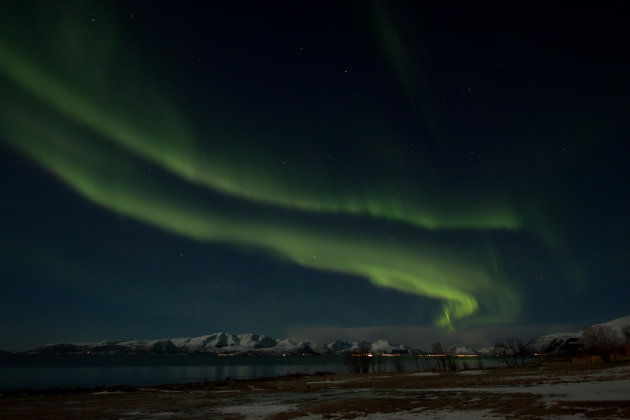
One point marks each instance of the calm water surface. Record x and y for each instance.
(21, 371)
(140, 370)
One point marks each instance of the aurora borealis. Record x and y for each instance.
(394, 167)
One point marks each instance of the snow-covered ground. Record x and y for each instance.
(543, 389)
(618, 390)
(553, 391)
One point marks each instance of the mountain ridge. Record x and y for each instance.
(566, 342)
(222, 343)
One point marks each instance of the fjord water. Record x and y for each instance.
(87, 371)
(78, 371)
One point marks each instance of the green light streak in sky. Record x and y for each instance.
(110, 179)
(170, 144)
(93, 142)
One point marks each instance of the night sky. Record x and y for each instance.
(351, 170)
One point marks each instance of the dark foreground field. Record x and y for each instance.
(578, 390)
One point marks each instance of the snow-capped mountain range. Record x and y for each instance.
(565, 342)
(259, 344)
(221, 343)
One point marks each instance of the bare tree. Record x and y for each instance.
(600, 340)
(625, 330)
(445, 359)
(438, 353)
(502, 351)
(513, 344)
(397, 361)
(478, 360)
(523, 350)
(359, 360)
(436, 348)
(511, 350)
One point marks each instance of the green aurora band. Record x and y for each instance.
(260, 182)
(99, 145)
(108, 178)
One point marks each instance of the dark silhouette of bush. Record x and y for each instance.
(600, 340)
(359, 360)
(511, 350)
(478, 362)
(397, 361)
(445, 360)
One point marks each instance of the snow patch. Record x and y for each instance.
(617, 390)
(472, 372)
(106, 392)
(262, 410)
(425, 374)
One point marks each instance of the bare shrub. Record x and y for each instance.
(379, 364)
(600, 340)
(479, 362)
(511, 350)
(502, 352)
(445, 360)
(359, 360)
(397, 361)
(523, 350)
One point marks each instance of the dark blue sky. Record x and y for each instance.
(341, 170)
